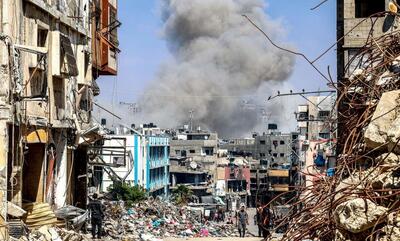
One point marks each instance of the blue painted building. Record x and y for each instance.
(157, 165)
(146, 163)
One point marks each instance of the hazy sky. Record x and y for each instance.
(143, 49)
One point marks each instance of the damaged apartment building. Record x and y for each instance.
(138, 157)
(193, 156)
(51, 52)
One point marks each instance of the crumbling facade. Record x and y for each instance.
(46, 93)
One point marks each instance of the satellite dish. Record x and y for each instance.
(193, 165)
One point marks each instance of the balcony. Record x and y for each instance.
(105, 37)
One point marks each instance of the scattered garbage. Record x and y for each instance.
(151, 220)
(156, 219)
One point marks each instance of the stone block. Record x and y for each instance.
(358, 215)
(384, 129)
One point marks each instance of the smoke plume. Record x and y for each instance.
(220, 64)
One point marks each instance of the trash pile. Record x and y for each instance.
(156, 219)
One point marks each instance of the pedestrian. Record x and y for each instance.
(266, 221)
(96, 214)
(242, 219)
(258, 219)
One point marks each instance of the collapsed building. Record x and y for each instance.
(360, 201)
(51, 54)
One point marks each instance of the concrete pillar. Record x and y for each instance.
(62, 177)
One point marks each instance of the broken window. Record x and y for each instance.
(118, 161)
(275, 143)
(282, 142)
(262, 154)
(192, 151)
(38, 83)
(68, 60)
(275, 154)
(86, 99)
(282, 154)
(262, 142)
(366, 8)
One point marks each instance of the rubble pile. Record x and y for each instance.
(361, 201)
(157, 219)
(47, 233)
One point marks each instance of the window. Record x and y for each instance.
(262, 142)
(323, 114)
(118, 161)
(192, 151)
(38, 84)
(282, 142)
(275, 154)
(209, 151)
(68, 60)
(324, 135)
(365, 8)
(282, 154)
(178, 152)
(275, 143)
(262, 154)
(302, 116)
(113, 26)
(42, 37)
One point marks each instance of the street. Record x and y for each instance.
(212, 239)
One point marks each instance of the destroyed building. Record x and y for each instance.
(360, 201)
(232, 181)
(193, 155)
(47, 84)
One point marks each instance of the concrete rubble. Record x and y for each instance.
(357, 215)
(158, 219)
(148, 221)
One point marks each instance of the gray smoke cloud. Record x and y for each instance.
(223, 68)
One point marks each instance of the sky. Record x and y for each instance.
(144, 50)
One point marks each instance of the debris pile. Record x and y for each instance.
(156, 219)
(47, 233)
(362, 200)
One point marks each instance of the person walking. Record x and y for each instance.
(258, 220)
(242, 219)
(96, 215)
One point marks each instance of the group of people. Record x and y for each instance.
(263, 219)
